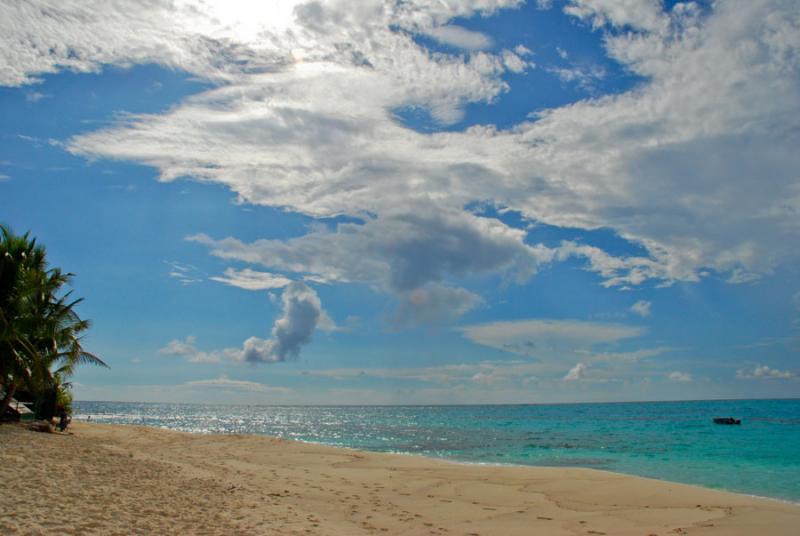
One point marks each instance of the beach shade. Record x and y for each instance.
(17, 411)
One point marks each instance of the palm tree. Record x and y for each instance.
(56, 332)
(40, 331)
(20, 259)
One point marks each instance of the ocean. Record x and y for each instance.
(675, 441)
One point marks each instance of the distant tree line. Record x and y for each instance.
(40, 330)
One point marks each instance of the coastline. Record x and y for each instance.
(123, 479)
(520, 465)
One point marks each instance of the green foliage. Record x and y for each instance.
(40, 330)
(64, 399)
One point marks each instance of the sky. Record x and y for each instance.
(411, 202)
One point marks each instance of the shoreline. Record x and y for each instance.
(501, 464)
(130, 479)
(620, 473)
(782, 500)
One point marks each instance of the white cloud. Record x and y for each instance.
(302, 312)
(251, 279)
(434, 304)
(642, 308)
(400, 250)
(578, 372)
(410, 255)
(640, 14)
(187, 350)
(522, 51)
(482, 372)
(35, 96)
(542, 338)
(215, 40)
(306, 119)
(679, 376)
(585, 78)
(514, 63)
(763, 372)
(4, 177)
(185, 273)
(178, 347)
(226, 384)
(460, 37)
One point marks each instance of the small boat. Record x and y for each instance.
(726, 420)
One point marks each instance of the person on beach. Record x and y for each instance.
(63, 421)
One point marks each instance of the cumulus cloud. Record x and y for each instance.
(578, 372)
(305, 118)
(642, 308)
(763, 372)
(679, 376)
(302, 312)
(514, 62)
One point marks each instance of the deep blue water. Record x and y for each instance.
(667, 440)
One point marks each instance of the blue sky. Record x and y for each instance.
(323, 202)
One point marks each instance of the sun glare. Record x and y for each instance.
(244, 20)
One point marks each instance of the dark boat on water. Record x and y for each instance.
(727, 420)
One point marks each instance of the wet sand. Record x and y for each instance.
(111, 479)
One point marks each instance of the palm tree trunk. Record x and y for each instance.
(10, 390)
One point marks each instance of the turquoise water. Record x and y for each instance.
(667, 440)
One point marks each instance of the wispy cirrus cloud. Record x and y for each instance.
(186, 274)
(188, 350)
(547, 337)
(223, 383)
(481, 373)
(252, 279)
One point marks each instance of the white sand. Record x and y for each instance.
(105, 479)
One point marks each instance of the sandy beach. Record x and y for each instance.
(110, 479)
